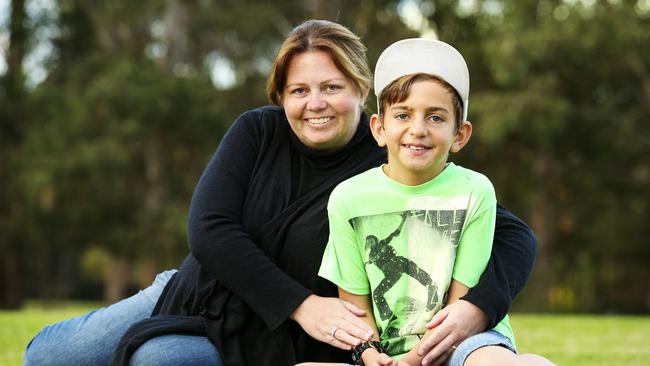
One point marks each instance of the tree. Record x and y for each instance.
(100, 159)
(557, 102)
(128, 118)
(13, 99)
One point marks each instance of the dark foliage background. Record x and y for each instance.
(109, 111)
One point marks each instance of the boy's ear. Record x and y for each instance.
(377, 130)
(462, 136)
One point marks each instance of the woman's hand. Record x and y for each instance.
(454, 323)
(333, 321)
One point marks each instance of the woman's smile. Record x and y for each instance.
(319, 121)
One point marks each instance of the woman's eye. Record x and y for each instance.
(332, 87)
(299, 91)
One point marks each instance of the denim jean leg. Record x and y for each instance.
(90, 339)
(177, 350)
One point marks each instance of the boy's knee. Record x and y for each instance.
(535, 360)
(492, 356)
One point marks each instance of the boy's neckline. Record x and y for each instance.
(417, 187)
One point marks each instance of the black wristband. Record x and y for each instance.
(358, 351)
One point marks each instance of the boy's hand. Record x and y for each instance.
(410, 359)
(371, 357)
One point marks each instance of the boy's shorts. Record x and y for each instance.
(471, 344)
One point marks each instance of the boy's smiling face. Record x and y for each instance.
(419, 133)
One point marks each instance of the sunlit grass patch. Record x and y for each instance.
(18, 327)
(585, 340)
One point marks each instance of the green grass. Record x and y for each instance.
(572, 340)
(581, 340)
(18, 327)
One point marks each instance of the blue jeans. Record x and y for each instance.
(90, 339)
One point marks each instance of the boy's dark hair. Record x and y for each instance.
(400, 89)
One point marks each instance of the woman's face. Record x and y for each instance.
(322, 105)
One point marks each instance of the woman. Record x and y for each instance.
(257, 230)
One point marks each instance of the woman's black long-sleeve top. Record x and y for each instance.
(257, 231)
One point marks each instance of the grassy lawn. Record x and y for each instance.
(18, 327)
(581, 340)
(576, 340)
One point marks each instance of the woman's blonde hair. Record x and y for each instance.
(345, 48)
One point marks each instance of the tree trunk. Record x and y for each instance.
(10, 138)
(541, 221)
(10, 283)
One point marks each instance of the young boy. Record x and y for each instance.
(414, 234)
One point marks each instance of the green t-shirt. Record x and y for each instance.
(403, 244)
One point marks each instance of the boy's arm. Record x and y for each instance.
(484, 305)
(462, 319)
(363, 302)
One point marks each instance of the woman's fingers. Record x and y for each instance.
(329, 320)
(339, 344)
(451, 326)
(441, 359)
(348, 331)
(438, 318)
(357, 328)
(437, 345)
(348, 338)
(353, 308)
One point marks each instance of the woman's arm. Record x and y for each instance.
(227, 252)
(509, 267)
(511, 263)
(217, 238)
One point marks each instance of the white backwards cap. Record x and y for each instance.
(418, 55)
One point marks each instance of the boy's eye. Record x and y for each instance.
(401, 116)
(436, 119)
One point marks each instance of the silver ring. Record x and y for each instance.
(454, 347)
(334, 332)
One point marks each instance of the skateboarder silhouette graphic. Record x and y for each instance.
(393, 266)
